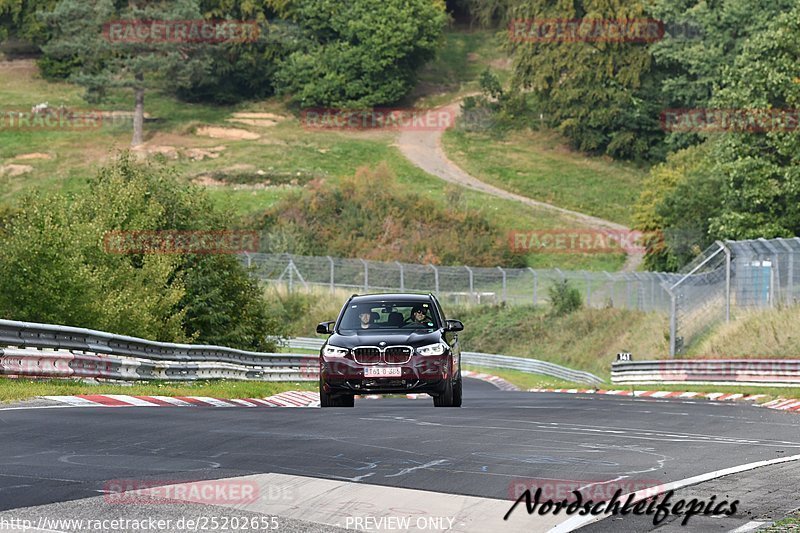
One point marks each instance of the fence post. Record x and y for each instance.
(775, 275)
(673, 322)
(471, 282)
(504, 283)
(727, 280)
(366, 275)
(402, 275)
(588, 289)
(436, 278)
(249, 260)
(790, 272)
(535, 286)
(290, 268)
(333, 279)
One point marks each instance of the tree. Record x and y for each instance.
(601, 94)
(138, 65)
(707, 37)
(359, 53)
(55, 265)
(761, 169)
(678, 199)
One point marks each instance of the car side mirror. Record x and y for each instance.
(454, 325)
(325, 328)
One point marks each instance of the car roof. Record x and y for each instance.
(391, 297)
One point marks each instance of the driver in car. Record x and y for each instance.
(418, 317)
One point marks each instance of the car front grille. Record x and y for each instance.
(392, 355)
(367, 356)
(397, 355)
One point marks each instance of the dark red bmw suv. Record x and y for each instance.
(389, 344)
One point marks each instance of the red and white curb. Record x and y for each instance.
(783, 405)
(780, 404)
(284, 399)
(716, 396)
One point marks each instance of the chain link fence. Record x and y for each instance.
(732, 276)
(738, 275)
(643, 291)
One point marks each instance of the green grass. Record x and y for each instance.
(788, 524)
(537, 164)
(461, 59)
(19, 389)
(284, 148)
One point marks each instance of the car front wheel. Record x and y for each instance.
(445, 399)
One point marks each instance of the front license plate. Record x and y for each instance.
(383, 372)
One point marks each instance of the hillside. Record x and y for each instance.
(249, 157)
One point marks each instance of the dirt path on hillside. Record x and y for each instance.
(424, 149)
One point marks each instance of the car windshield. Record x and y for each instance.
(388, 315)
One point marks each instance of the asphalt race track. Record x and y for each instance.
(335, 466)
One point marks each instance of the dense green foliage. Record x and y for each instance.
(55, 266)
(602, 95)
(359, 53)
(370, 216)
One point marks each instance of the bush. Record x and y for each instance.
(564, 298)
(54, 267)
(371, 217)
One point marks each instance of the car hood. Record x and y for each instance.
(391, 338)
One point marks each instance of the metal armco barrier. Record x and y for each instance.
(522, 364)
(63, 351)
(763, 372)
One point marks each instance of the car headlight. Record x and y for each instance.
(433, 349)
(334, 351)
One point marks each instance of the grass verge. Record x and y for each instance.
(24, 389)
(537, 164)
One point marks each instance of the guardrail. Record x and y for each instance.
(64, 351)
(522, 364)
(762, 372)
(44, 350)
